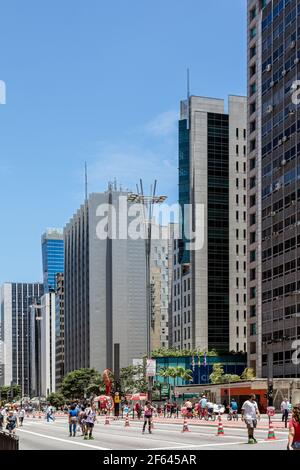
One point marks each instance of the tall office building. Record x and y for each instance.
(60, 330)
(43, 346)
(53, 257)
(209, 281)
(273, 186)
(105, 285)
(16, 299)
(160, 288)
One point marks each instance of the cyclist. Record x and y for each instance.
(203, 404)
(233, 410)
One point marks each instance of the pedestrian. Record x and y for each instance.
(81, 420)
(22, 413)
(203, 406)
(148, 413)
(73, 414)
(49, 413)
(294, 429)
(1, 418)
(285, 410)
(138, 410)
(11, 422)
(250, 414)
(90, 418)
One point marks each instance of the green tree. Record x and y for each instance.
(77, 384)
(132, 379)
(174, 373)
(8, 393)
(217, 373)
(248, 374)
(56, 399)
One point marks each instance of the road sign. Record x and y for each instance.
(151, 368)
(271, 411)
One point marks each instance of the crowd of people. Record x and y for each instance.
(83, 416)
(11, 418)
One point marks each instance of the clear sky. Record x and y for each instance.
(100, 81)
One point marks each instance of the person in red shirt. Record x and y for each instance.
(294, 429)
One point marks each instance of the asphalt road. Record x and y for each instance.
(39, 435)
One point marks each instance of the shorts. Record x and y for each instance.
(251, 423)
(89, 425)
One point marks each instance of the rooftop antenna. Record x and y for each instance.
(86, 181)
(188, 97)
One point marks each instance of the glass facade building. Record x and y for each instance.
(273, 186)
(209, 273)
(53, 257)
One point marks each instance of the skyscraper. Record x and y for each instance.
(53, 257)
(16, 299)
(60, 329)
(160, 288)
(273, 187)
(209, 288)
(105, 285)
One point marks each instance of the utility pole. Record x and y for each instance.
(148, 203)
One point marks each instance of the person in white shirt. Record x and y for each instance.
(250, 414)
(285, 410)
(21, 416)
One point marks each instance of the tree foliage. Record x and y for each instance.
(10, 393)
(132, 380)
(81, 382)
(218, 377)
(56, 399)
(248, 374)
(164, 352)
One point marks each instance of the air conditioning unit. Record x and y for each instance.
(280, 142)
(272, 84)
(296, 61)
(269, 68)
(277, 186)
(275, 234)
(269, 109)
(283, 73)
(293, 44)
(273, 214)
(293, 204)
(284, 138)
(291, 112)
(283, 162)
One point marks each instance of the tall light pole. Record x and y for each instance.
(148, 203)
(38, 320)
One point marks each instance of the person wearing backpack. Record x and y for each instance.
(73, 415)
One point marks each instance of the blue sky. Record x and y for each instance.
(100, 81)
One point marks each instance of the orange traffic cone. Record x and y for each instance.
(127, 423)
(220, 427)
(185, 425)
(106, 419)
(271, 433)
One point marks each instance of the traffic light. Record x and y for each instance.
(270, 394)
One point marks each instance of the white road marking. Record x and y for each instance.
(194, 446)
(63, 440)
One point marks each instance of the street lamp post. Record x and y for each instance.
(148, 203)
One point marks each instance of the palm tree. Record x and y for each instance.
(176, 372)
